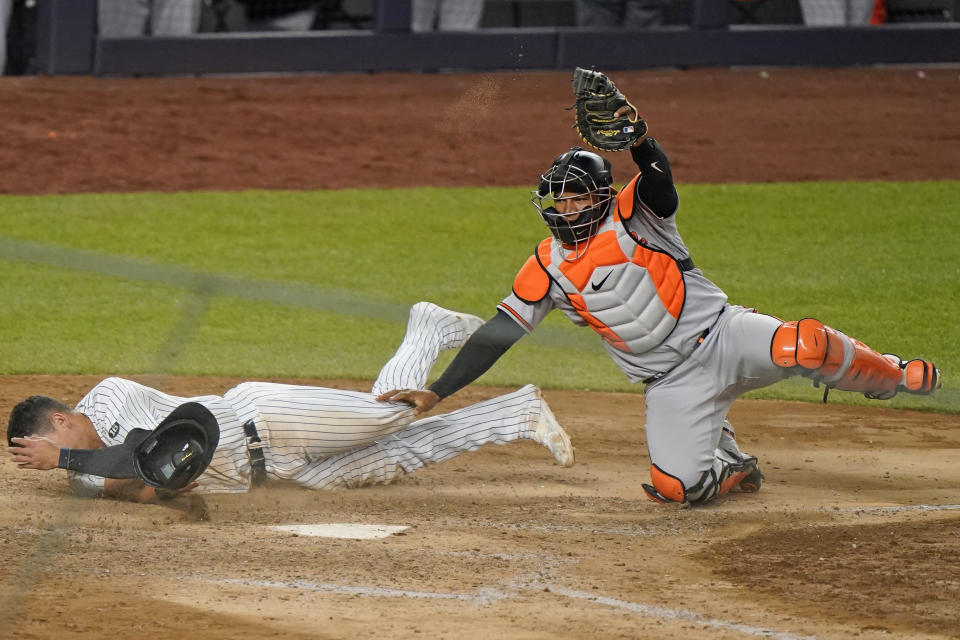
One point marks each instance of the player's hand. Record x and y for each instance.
(626, 110)
(422, 400)
(35, 452)
(167, 494)
(194, 507)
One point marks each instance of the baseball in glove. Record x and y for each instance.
(600, 119)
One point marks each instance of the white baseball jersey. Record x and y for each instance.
(319, 437)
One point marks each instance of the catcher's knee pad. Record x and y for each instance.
(665, 487)
(841, 362)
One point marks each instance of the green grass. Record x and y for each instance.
(316, 284)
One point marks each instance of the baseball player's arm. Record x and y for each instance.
(133, 490)
(129, 489)
(192, 506)
(655, 189)
(484, 347)
(37, 452)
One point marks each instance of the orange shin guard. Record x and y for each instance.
(728, 473)
(837, 360)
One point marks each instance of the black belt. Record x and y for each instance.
(258, 465)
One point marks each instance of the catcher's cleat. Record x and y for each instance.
(918, 377)
(752, 482)
(550, 434)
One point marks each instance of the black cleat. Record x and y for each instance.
(752, 482)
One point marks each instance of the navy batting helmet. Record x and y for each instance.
(175, 453)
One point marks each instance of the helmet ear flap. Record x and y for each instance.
(606, 176)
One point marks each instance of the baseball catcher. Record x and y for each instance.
(615, 262)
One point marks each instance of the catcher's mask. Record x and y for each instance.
(573, 174)
(175, 453)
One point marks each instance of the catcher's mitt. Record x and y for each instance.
(597, 101)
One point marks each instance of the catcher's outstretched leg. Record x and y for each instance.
(841, 362)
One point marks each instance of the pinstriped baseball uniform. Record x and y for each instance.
(324, 438)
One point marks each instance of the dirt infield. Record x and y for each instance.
(83, 134)
(853, 536)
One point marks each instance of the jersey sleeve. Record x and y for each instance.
(655, 192)
(529, 302)
(105, 404)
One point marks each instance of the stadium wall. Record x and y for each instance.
(68, 44)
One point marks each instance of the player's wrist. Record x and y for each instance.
(63, 460)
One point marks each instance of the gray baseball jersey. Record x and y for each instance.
(630, 286)
(627, 287)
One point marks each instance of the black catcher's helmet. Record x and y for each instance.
(573, 174)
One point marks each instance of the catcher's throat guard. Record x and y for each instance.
(171, 456)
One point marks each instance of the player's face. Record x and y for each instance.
(571, 205)
(65, 433)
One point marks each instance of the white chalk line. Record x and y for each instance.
(489, 596)
(484, 596)
(674, 614)
(905, 507)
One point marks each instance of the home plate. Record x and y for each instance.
(342, 530)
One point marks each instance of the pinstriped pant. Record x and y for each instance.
(325, 438)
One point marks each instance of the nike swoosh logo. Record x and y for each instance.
(596, 286)
(654, 165)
